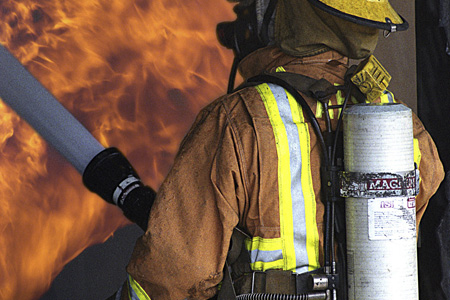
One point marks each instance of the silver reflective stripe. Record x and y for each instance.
(265, 256)
(298, 201)
(119, 293)
(389, 95)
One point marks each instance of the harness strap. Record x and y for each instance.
(319, 89)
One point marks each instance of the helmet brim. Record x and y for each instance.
(377, 14)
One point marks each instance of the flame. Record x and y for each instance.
(135, 73)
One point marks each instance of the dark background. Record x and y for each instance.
(433, 92)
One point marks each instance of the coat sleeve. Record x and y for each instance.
(182, 254)
(430, 167)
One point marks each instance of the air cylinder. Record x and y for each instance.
(380, 183)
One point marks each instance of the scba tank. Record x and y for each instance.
(380, 183)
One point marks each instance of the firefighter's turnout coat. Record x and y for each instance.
(252, 160)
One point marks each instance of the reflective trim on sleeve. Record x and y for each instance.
(265, 254)
(135, 291)
(417, 153)
(299, 235)
(119, 293)
(417, 156)
(387, 97)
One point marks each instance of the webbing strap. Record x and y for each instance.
(319, 89)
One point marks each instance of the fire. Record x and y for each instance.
(135, 73)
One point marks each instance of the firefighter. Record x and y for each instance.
(252, 159)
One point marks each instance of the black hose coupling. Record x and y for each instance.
(111, 176)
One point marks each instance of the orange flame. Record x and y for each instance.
(135, 73)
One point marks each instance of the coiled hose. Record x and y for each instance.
(257, 296)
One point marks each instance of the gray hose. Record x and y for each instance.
(31, 101)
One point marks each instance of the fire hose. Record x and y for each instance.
(105, 172)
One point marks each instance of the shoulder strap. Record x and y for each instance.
(319, 89)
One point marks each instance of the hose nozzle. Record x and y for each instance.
(111, 176)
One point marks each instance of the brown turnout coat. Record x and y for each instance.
(225, 175)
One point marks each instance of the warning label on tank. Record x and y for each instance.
(392, 218)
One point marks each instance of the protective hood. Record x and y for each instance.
(302, 29)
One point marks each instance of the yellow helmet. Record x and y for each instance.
(372, 13)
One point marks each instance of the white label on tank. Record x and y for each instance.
(392, 218)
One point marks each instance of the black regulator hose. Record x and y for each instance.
(111, 176)
(233, 73)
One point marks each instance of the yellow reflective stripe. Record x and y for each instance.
(271, 258)
(271, 265)
(135, 291)
(290, 226)
(340, 99)
(319, 110)
(284, 177)
(312, 234)
(298, 229)
(259, 243)
(330, 111)
(387, 97)
(417, 153)
(280, 69)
